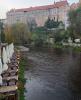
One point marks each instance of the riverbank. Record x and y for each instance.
(23, 66)
(74, 48)
(22, 79)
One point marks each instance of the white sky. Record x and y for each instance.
(6, 5)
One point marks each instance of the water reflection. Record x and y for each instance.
(75, 77)
(55, 75)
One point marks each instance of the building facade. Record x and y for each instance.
(58, 11)
(80, 1)
(74, 6)
(4, 21)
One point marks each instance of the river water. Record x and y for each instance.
(53, 75)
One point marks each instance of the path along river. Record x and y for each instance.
(54, 75)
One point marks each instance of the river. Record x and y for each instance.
(54, 75)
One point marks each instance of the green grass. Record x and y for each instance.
(22, 79)
(76, 49)
(2, 96)
(58, 46)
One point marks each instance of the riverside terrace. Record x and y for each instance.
(9, 60)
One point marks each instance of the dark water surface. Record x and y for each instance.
(54, 75)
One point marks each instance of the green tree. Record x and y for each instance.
(18, 33)
(51, 23)
(75, 22)
(39, 36)
(8, 34)
(2, 35)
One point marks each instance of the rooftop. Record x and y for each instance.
(46, 7)
(75, 5)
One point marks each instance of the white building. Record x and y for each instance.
(58, 11)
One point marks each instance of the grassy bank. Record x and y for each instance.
(77, 49)
(22, 79)
(60, 46)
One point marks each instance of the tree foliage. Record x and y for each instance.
(75, 22)
(39, 35)
(8, 34)
(19, 33)
(2, 35)
(51, 23)
(61, 35)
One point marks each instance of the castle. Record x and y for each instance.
(75, 5)
(57, 11)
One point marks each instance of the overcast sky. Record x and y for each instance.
(6, 5)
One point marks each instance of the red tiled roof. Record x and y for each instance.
(55, 5)
(74, 5)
